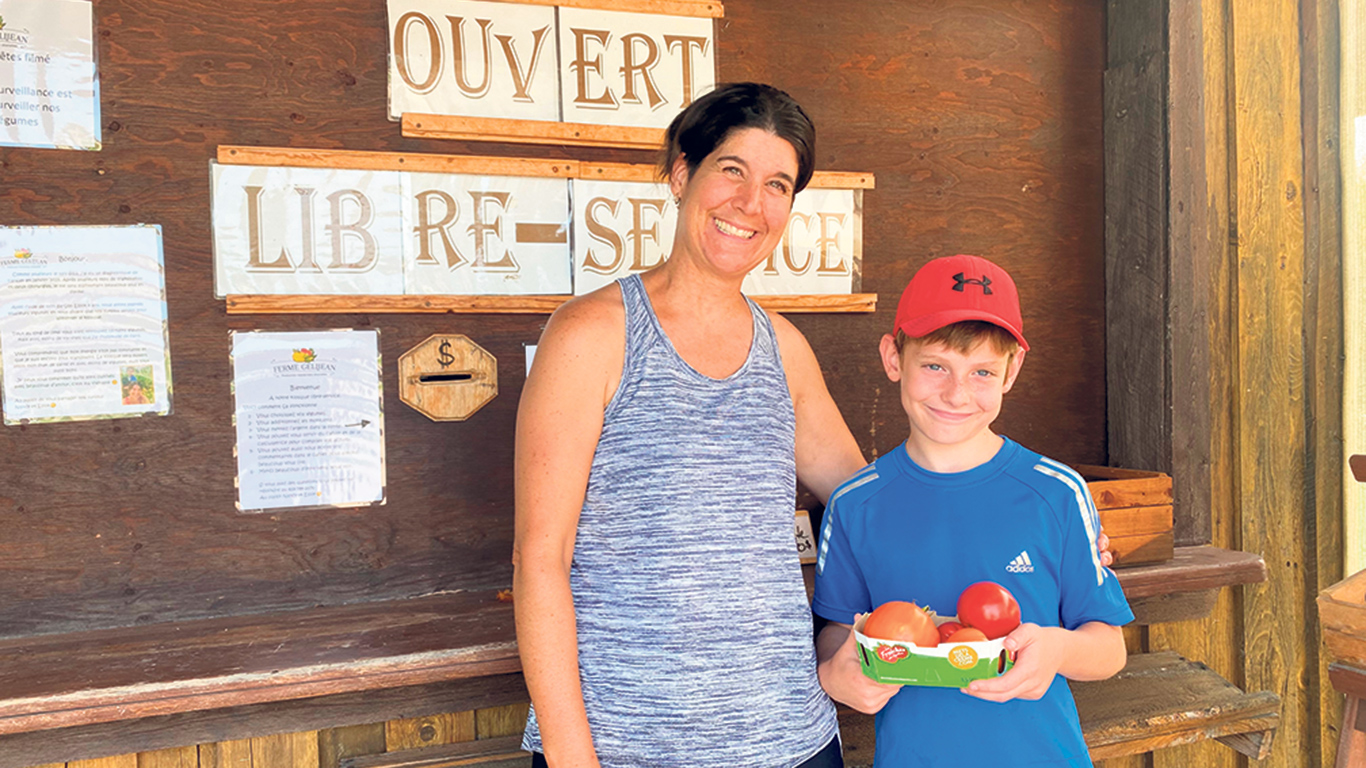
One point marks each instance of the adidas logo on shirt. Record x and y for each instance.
(1020, 564)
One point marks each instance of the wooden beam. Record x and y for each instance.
(704, 8)
(396, 161)
(524, 305)
(1136, 248)
(1324, 353)
(460, 128)
(1271, 365)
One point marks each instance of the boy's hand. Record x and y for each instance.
(1040, 652)
(841, 675)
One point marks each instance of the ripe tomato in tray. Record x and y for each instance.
(902, 621)
(990, 607)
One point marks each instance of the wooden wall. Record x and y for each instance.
(1248, 257)
(980, 120)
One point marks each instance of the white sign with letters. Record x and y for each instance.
(633, 69)
(528, 61)
(479, 59)
(311, 231)
(486, 234)
(622, 228)
(306, 231)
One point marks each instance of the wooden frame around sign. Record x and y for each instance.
(240, 304)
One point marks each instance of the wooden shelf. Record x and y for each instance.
(85, 678)
(1193, 569)
(523, 305)
(1159, 700)
(458, 128)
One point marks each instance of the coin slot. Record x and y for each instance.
(443, 378)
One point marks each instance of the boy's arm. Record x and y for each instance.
(1093, 651)
(840, 673)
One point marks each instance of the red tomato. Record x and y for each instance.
(947, 629)
(902, 621)
(990, 607)
(966, 635)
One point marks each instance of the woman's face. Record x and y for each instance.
(733, 209)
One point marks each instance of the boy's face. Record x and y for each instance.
(950, 397)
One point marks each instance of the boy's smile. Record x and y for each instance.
(950, 398)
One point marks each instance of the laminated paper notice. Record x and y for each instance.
(309, 418)
(83, 323)
(49, 93)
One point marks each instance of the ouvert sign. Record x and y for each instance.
(537, 62)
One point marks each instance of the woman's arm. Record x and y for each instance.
(559, 421)
(827, 453)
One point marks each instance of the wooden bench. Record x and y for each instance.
(109, 692)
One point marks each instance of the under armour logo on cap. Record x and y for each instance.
(959, 281)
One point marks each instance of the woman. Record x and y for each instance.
(661, 613)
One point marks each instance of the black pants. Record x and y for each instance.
(826, 758)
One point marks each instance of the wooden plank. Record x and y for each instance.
(1192, 569)
(1271, 325)
(1165, 609)
(1136, 247)
(431, 730)
(1141, 549)
(174, 757)
(120, 761)
(1202, 338)
(1117, 487)
(501, 752)
(1160, 699)
(338, 744)
(310, 305)
(397, 161)
(368, 708)
(495, 722)
(649, 173)
(1324, 348)
(285, 750)
(458, 128)
(1131, 521)
(705, 8)
(96, 677)
(226, 754)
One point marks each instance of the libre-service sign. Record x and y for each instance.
(311, 231)
(535, 62)
(49, 92)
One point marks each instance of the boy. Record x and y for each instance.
(957, 504)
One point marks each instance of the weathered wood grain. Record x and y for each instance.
(496, 722)
(285, 750)
(213, 730)
(501, 752)
(175, 757)
(1203, 337)
(1321, 63)
(1271, 366)
(337, 744)
(430, 730)
(120, 674)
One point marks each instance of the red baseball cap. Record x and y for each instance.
(952, 289)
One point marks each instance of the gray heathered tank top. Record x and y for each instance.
(694, 629)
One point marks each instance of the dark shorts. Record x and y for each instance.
(829, 757)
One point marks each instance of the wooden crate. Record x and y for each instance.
(1136, 512)
(1342, 613)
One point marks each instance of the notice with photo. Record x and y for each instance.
(49, 91)
(83, 323)
(309, 418)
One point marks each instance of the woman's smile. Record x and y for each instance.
(727, 228)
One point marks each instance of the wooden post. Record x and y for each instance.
(1271, 398)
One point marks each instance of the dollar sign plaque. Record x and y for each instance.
(447, 377)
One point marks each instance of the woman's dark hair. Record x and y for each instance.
(703, 125)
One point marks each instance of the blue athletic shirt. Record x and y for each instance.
(896, 531)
